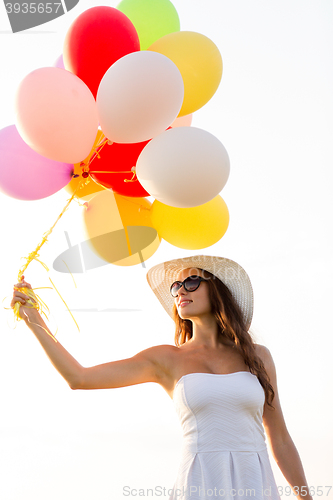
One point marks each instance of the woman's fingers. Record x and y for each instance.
(22, 300)
(23, 306)
(23, 284)
(20, 294)
(17, 299)
(20, 297)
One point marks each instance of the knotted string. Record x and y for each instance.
(132, 171)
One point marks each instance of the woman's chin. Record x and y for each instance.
(184, 314)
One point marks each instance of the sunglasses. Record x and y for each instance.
(190, 284)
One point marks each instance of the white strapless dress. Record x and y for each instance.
(224, 453)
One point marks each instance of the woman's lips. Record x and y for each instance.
(184, 303)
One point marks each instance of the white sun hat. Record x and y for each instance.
(161, 277)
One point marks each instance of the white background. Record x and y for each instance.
(273, 113)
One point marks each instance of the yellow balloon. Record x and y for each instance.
(191, 228)
(91, 187)
(199, 62)
(119, 228)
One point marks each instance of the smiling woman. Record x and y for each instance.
(229, 324)
(223, 384)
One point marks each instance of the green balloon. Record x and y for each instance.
(152, 19)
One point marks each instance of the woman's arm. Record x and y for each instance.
(141, 368)
(283, 449)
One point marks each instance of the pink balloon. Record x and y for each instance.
(56, 114)
(26, 175)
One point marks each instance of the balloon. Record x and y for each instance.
(182, 121)
(191, 228)
(200, 63)
(118, 158)
(96, 39)
(26, 175)
(183, 167)
(151, 18)
(120, 229)
(56, 114)
(88, 190)
(139, 96)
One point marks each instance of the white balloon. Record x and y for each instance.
(139, 96)
(183, 167)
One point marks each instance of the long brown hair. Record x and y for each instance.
(230, 326)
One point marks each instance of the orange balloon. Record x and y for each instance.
(119, 228)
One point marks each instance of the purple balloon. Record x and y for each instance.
(59, 63)
(25, 174)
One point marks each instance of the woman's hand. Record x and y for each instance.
(26, 308)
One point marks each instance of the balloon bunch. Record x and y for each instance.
(111, 122)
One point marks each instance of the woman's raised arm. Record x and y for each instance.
(141, 368)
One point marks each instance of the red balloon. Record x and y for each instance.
(118, 158)
(97, 39)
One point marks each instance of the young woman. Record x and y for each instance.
(222, 383)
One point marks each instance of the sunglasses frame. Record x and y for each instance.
(183, 284)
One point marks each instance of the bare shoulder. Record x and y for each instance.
(264, 353)
(157, 352)
(160, 355)
(267, 359)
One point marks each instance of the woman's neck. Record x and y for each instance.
(205, 332)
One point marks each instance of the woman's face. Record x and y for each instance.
(192, 304)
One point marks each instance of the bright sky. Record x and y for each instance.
(273, 113)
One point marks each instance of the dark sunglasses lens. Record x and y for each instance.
(175, 287)
(192, 283)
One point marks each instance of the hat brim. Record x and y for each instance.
(161, 277)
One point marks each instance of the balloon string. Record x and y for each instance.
(70, 273)
(141, 207)
(99, 147)
(103, 141)
(85, 165)
(37, 324)
(35, 254)
(65, 304)
(37, 302)
(111, 171)
(34, 300)
(132, 171)
(134, 177)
